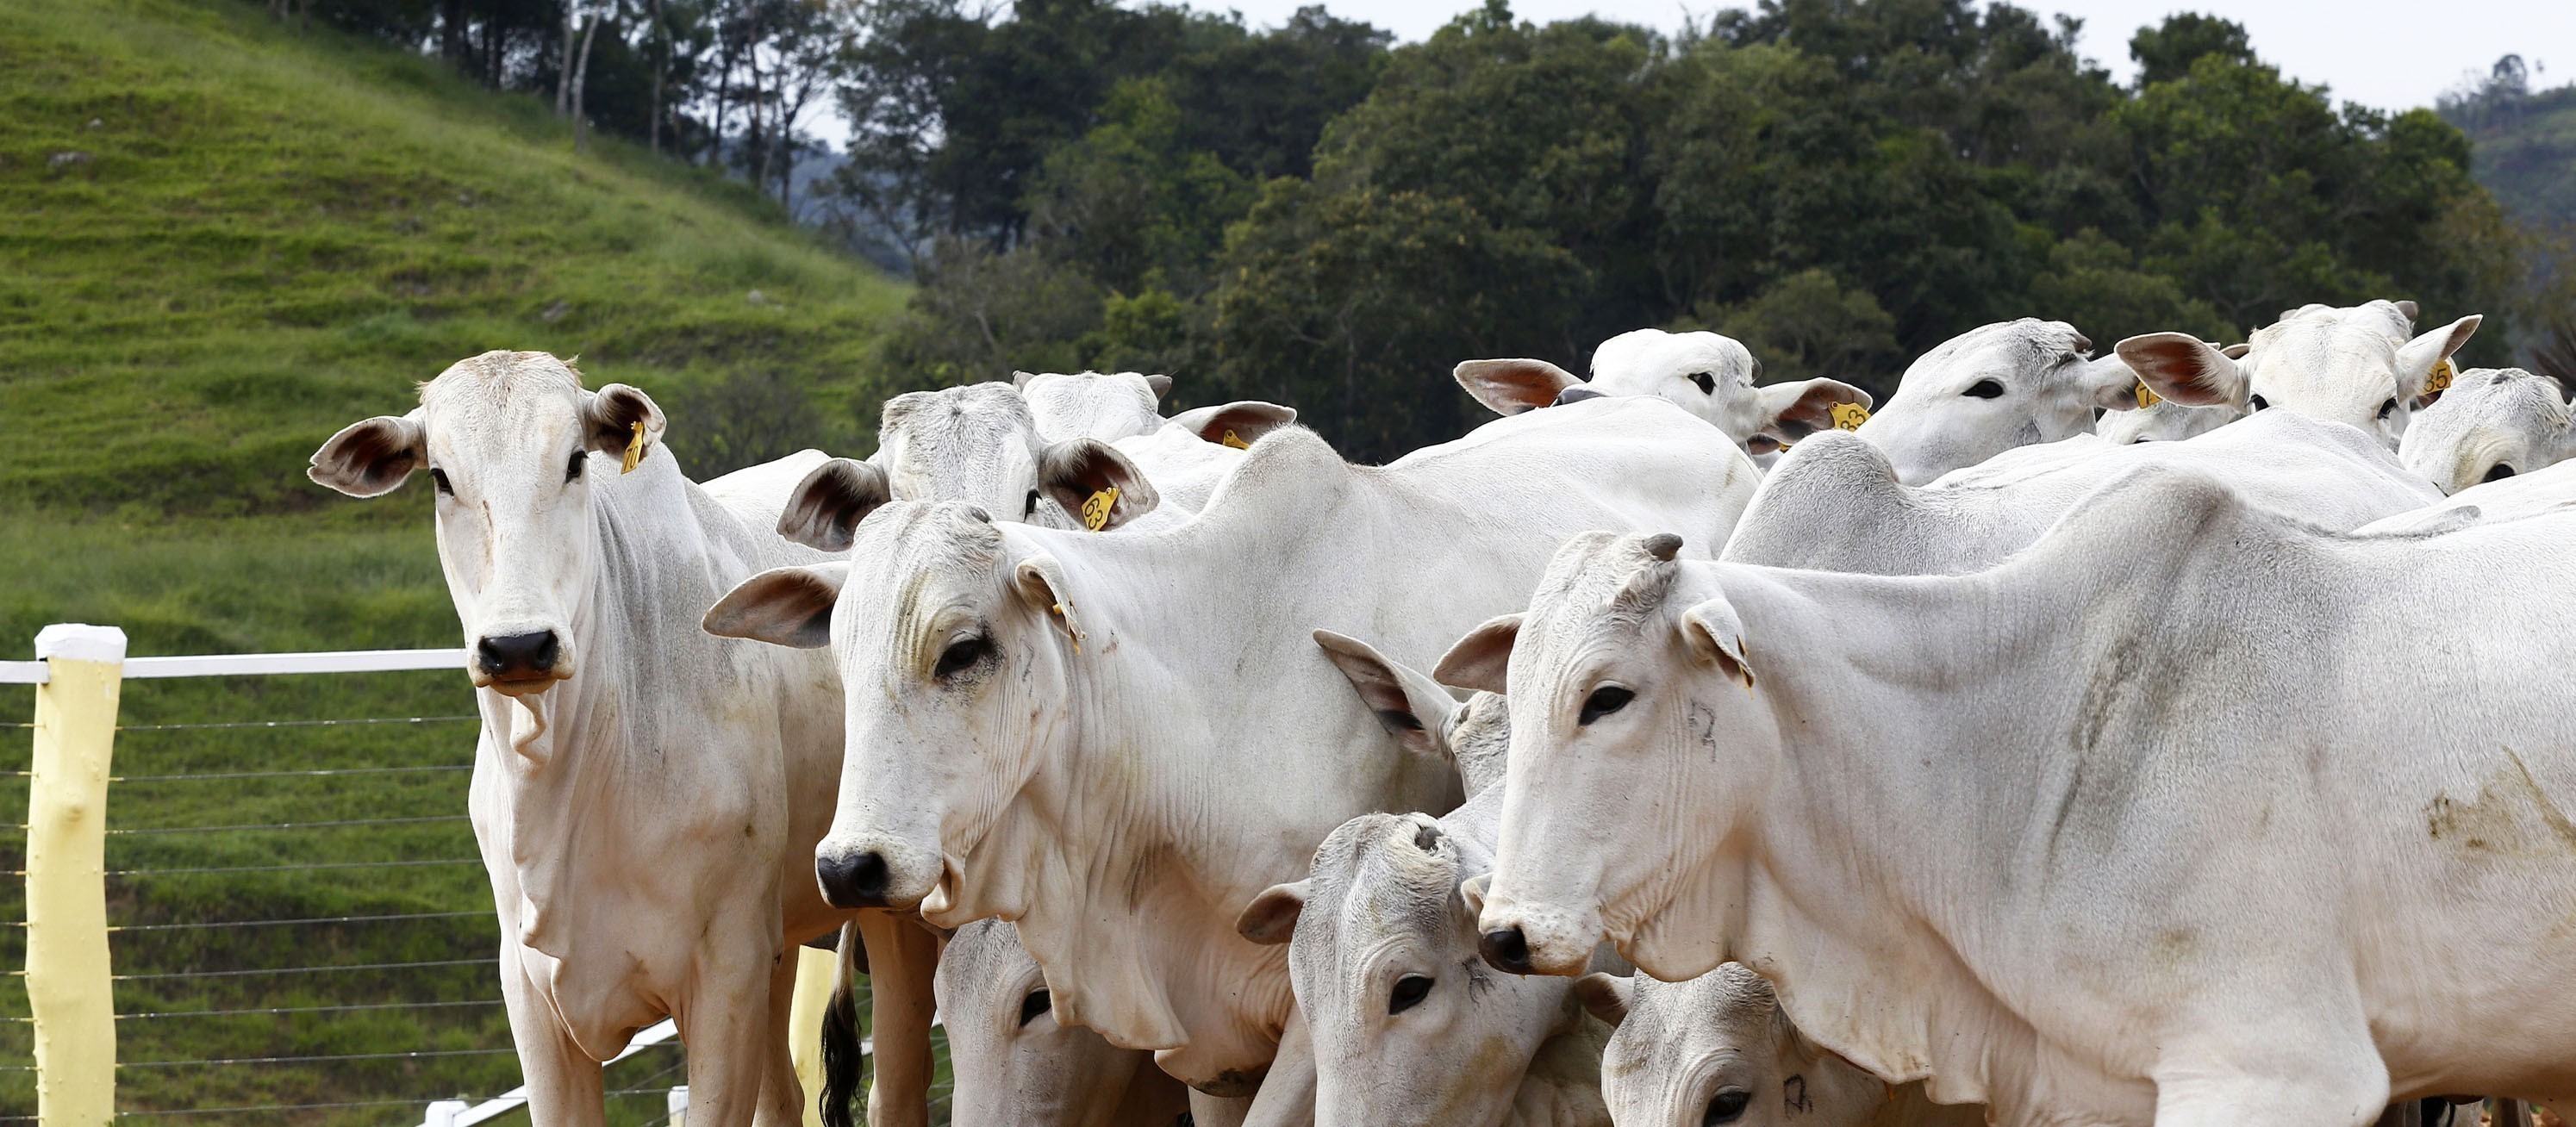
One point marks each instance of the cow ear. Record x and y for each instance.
(1271, 918)
(1605, 996)
(2416, 358)
(1715, 635)
(1471, 893)
(1479, 660)
(1077, 470)
(1761, 444)
(2409, 308)
(2108, 383)
(1021, 380)
(1162, 386)
(784, 606)
(2183, 368)
(2236, 351)
(1509, 387)
(613, 414)
(1410, 706)
(1041, 583)
(372, 457)
(1247, 420)
(1795, 410)
(824, 510)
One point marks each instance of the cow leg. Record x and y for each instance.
(564, 1084)
(1287, 1095)
(903, 954)
(782, 1095)
(1217, 1111)
(729, 1022)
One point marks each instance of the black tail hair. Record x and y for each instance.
(841, 1053)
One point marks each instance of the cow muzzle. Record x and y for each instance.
(1520, 942)
(520, 662)
(874, 873)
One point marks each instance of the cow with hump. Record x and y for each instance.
(646, 797)
(1118, 741)
(2168, 819)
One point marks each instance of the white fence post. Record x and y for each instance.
(443, 1113)
(68, 986)
(678, 1103)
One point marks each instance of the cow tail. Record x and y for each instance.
(842, 1053)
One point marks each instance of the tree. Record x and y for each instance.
(2165, 53)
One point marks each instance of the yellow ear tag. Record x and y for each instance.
(2147, 396)
(2440, 380)
(1849, 416)
(1095, 508)
(1231, 440)
(634, 450)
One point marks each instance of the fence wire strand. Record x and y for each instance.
(263, 826)
(308, 920)
(291, 723)
(168, 975)
(310, 772)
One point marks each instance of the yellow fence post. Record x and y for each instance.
(805, 1025)
(67, 973)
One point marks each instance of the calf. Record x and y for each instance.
(1017, 1065)
(2492, 424)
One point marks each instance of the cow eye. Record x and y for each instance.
(2387, 408)
(1984, 389)
(573, 472)
(1038, 1002)
(961, 655)
(2499, 473)
(2258, 403)
(1029, 508)
(1726, 1107)
(1604, 701)
(1707, 383)
(438, 477)
(1409, 992)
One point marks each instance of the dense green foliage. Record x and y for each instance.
(1841, 183)
(2526, 141)
(219, 242)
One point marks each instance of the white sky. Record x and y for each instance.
(2386, 53)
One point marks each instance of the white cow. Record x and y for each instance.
(2362, 366)
(645, 796)
(1405, 1022)
(2492, 424)
(1118, 741)
(1835, 503)
(1103, 405)
(2546, 490)
(2170, 819)
(2164, 420)
(1717, 1051)
(1708, 375)
(1985, 391)
(1017, 1066)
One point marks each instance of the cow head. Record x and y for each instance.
(515, 448)
(1015, 1063)
(1407, 1023)
(1718, 1051)
(2362, 367)
(1708, 375)
(978, 444)
(1105, 405)
(1993, 388)
(1609, 667)
(955, 646)
(2493, 423)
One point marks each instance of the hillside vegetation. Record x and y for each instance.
(219, 241)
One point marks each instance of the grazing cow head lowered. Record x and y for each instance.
(513, 444)
(1105, 405)
(973, 689)
(978, 444)
(1985, 391)
(1592, 681)
(2492, 424)
(1016, 1064)
(2362, 367)
(1717, 1051)
(1708, 375)
(1407, 1023)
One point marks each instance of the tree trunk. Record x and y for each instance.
(451, 32)
(661, 66)
(563, 68)
(581, 84)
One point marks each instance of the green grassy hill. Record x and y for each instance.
(219, 242)
(2526, 151)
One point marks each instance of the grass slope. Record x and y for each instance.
(219, 242)
(2526, 154)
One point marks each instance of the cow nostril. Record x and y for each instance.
(852, 882)
(1507, 949)
(533, 652)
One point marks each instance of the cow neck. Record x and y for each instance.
(651, 565)
(1189, 806)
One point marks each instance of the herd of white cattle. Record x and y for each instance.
(1663, 757)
